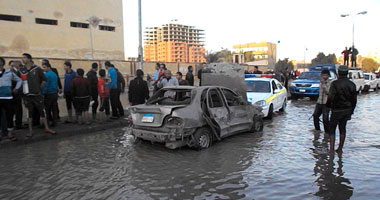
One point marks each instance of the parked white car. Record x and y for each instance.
(357, 77)
(371, 82)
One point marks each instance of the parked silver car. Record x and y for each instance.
(194, 116)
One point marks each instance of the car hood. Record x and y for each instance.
(298, 81)
(159, 113)
(254, 97)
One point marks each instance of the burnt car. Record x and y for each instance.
(194, 116)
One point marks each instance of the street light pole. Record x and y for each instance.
(141, 56)
(353, 23)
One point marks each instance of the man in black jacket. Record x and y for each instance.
(93, 79)
(190, 76)
(342, 101)
(138, 91)
(120, 88)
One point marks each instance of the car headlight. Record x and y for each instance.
(293, 84)
(315, 85)
(261, 103)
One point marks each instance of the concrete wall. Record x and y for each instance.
(62, 40)
(127, 68)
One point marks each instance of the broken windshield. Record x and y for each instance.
(171, 97)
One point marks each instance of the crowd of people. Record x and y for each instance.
(38, 87)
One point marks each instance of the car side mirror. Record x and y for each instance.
(277, 91)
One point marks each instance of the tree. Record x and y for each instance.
(323, 59)
(283, 66)
(224, 55)
(369, 65)
(212, 57)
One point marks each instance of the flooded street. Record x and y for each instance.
(288, 160)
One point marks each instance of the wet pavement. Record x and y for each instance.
(288, 160)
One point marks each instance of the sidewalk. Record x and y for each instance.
(63, 130)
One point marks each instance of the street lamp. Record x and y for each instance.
(353, 23)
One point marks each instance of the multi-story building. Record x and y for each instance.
(263, 53)
(84, 29)
(174, 43)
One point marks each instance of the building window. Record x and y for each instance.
(107, 28)
(13, 18)
(46, 21)
(78, 25)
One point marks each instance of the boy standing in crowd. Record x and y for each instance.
(180, 80)
(93, 79)
(6, 78)
(104, 96)
(50, 93)
(17, 95)
(34, 80)
(120, 90)
(190, 76)
(69, 76)
(81, 90)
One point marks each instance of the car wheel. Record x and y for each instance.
(294, 97)
(270, 112)
(377, 86)
(284, 105)
(202, 138)
(258, 124)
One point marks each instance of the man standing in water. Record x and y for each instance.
(342, 101)
(321, 108)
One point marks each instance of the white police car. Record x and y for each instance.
(265, 91)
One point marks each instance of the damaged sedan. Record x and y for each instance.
(194, 116)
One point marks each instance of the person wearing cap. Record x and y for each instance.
(342, 100)
(320, 108)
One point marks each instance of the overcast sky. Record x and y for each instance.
(315, 24)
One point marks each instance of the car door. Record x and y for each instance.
(218, 111)
(241, 119)
(282, 95)
(275, 99)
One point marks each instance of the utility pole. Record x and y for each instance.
(141, 54)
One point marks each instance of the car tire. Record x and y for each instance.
(295, 97)
(270, 112)
(258, 124)
(375, 89)
(202, 138)
(284, 105)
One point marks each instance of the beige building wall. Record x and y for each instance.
(62, 40)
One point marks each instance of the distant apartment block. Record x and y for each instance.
(262, 53)
(174, 43)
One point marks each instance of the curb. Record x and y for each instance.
(63, 131)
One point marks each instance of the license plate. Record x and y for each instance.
(147, 118)
(302, 90)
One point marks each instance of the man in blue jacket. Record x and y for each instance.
(49, 91)
(6, 78)
(112, 85)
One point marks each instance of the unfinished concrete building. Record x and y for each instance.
(174, 43)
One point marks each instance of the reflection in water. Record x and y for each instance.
(332, 185)
(275, 164)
